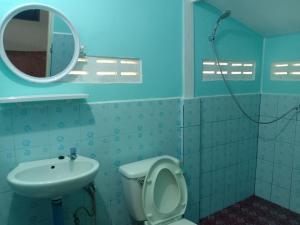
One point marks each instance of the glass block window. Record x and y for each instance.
(232, 70)
(285, 71)
(106, 70)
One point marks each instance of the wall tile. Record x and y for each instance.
(206, 160)
(112, 133)
(296, 181)
(284, 153)
(263, 189)
(191, 112)
(64, 123)
(266, 150)
(286, 103)
(219, 154)
(230, 185)
(6, 129)
(295, 202)
(217, 202)
(280, 196)
(228, 150)
(279, 145)
(297, 135)
(7, 163)
(31, 126)
(205, 207)
(207, 135)
(268, 131)
(206, 180)
(192, 212)
(269, 104)
(218, 182)
(286, 130)
(264, 171)
(282, 176)
(232, 155)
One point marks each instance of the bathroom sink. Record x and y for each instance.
(52, 178)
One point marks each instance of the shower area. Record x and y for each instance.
(241, 134)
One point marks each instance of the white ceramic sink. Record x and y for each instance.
(52, 178)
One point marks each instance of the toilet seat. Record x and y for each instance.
(164, 192)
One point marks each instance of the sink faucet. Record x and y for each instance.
(73, 153)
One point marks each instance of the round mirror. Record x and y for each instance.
(38, 43)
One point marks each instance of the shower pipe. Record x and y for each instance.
(212, 39)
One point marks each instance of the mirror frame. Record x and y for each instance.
(18, 72)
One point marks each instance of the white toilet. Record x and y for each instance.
(155, 191)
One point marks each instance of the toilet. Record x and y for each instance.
(155, 191)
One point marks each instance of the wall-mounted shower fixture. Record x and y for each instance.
(224, 16)
(212, 38)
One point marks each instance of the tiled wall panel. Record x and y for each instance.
(277, 174)
(191, 146)
(226, 144)
(112, 133)
(219, 150)
(228, 152)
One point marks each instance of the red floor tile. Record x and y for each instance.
(253, 211)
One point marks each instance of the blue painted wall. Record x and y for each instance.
(150, 30)
(235, 42)
(277, 49)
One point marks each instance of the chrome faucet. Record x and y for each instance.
(73, 153)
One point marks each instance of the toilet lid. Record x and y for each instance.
(164, 191)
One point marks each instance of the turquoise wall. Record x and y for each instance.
(278, 49)
(235, 42)
(150, 30)
(59, 25)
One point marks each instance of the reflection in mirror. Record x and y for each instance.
(39, 43)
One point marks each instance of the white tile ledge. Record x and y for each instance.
(39, 98)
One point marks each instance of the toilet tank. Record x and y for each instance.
(133, 176)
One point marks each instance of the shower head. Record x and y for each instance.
(224, 16)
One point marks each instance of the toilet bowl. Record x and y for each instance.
(155, 191)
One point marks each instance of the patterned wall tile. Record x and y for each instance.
(219, 146)
(191, 112)
(64, 123)
(31, 126)
(7, 162)
(6, 129)
(191, 157)
(112, 133)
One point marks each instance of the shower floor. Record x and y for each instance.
(253, 211)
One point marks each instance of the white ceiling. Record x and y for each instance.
(268, 17)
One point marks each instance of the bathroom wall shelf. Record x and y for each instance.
(40, 98)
